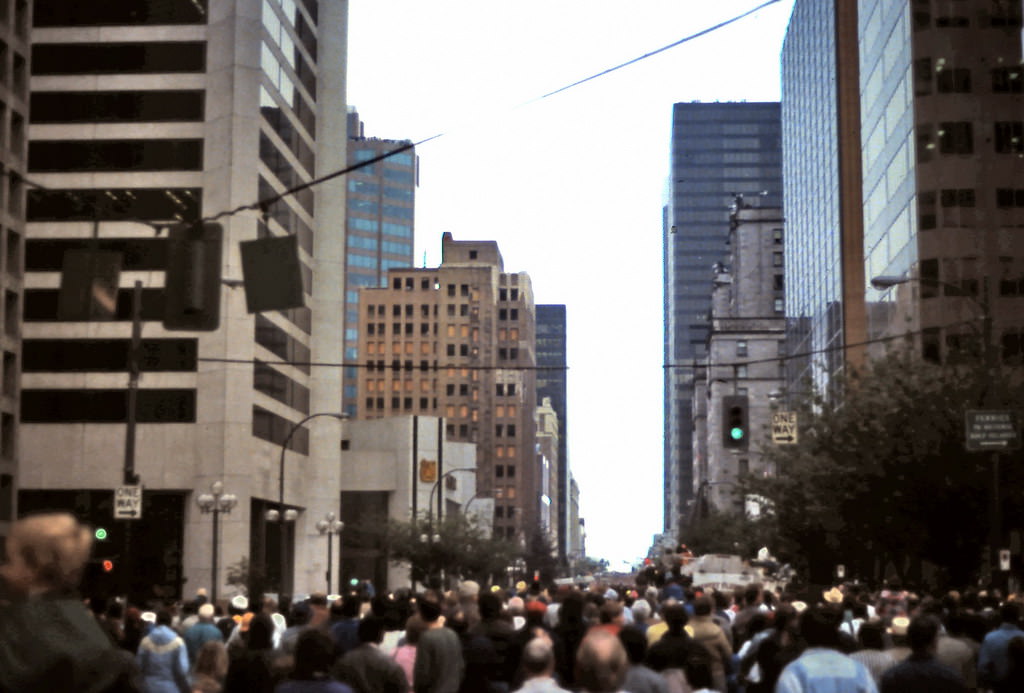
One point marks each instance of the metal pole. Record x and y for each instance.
(130, 477)
(995, 521)
(414, 493)
(330, 558)
(213, 562)
(440, 466)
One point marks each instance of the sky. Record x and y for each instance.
(570, 186)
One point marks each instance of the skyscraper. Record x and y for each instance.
(927, 99)
(822, 179)
(14, 32)
(378, 228)
(145, 114)
(458, 341)
(552, 384)
(718, 150)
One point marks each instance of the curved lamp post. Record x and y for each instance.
(430, 502)
(290, 514)
(216, 502)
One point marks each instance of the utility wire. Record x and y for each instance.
(264, 205)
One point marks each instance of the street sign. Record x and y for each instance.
(428, 471)
(784, 428)
(992, 429)
(128, 503)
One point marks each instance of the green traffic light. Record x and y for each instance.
(736, 433)
(101, 533)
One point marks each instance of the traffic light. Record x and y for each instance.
(108, 565)
(192, 287)
(735, 427)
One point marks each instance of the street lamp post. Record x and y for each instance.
(215, 502)
(290, 514)
(330, 526)
(430, 503)
(988, 361)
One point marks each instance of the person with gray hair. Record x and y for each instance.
(601, 663)
(538, 665)
(641, 613)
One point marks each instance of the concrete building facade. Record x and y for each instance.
(547, 460)
(142, 118)
(15, 23)
(746, 339)
(552, 384)
(458, 341)
(380, 482)
(718, 150)
(943, 150)
(379, 228)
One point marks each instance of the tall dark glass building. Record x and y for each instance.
(822, 165)
(718, 150)
(551, 382)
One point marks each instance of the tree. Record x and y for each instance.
(881, 477)
(462, 549)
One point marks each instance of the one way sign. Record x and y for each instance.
(784, 428)
(128, 503)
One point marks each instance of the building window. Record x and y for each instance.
(777, 259)
(1007, 80)
(741, 347)
(1010, 137)
(499, 471)
(956, 137)
(955, 80)
(780, 305)
(926, 214)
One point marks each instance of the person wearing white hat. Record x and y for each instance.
(201, 632)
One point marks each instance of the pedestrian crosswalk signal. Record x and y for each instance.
(108, 565)
(735, 426)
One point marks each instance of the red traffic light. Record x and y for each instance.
(108, 565)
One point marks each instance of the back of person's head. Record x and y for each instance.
(922, 632)
(261, 632)
(299, 614)
(601, 663)
(610, 611)
(163, 617)
(676, 617)
(350, 605)
(752, 595)
(819, 625)
(635, 643)
(46, 552)
(115, 609)
(871, 635)
(371, 629)
(490, 605)
(641, 610)
(538, 658)
(429, 608)
(702, 605)
(570, 613)
(314, 655)
(414, 628)
(212, 659)
(1009, 612)
(721, 600)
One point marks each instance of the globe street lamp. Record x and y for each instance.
(290, 514)
(216, 502)
(329, 527)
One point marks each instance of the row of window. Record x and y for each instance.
(70, 13)
(107, 406)
(118, 58)
(957, 80)
(280, 387)
(158, 204)
(958, 138)
(115, 155)
(999, 15)
(281, 211)
(278, 120)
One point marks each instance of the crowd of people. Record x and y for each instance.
(666, 637)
